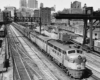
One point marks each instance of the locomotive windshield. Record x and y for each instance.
(71, 51)
(75, 51)
(79, 51)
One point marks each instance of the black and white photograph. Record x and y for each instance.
(49, 39)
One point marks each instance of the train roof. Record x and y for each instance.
(44, 38)
(68, 46)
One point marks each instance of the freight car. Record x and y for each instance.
(66, 56)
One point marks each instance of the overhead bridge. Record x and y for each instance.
(77, 16)
(88, 15)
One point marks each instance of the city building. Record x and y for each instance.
(76, 8)
(76, 4)
(45, 14)
(33, 4)
(37, 13)
(23, 3)
(41, 5)
(11, 9)
(36, 4)
(66, 11)
(18, 13)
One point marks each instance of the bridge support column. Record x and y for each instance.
(85, 31)
(91, 34)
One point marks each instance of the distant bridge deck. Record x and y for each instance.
(76, 16)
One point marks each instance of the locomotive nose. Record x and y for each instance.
(79, 60)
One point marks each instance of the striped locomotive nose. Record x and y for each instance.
(79, 60)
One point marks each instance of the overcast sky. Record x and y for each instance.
(60, 4)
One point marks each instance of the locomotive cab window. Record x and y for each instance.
(59, 49)
(71, 51)
(55, 47)
(79, 51)
(64, 52)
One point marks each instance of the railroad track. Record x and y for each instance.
(50, 66)
(93, 75)
(40, 56)
(44, 70)
(27, 60)
(41, 65)
(28, 68)
(20, 69)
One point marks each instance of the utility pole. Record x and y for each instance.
(40, 19)
(91, 34)
(85, 31)
(40, 25)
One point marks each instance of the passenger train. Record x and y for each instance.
(65, 55)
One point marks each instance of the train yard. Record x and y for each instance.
(28, 61)
(47, 73)
(33, 56)
(43, 44)
(32, 62)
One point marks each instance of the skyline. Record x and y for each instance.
(60, 4)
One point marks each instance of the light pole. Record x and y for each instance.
(40, 19)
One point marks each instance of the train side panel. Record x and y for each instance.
(40, 43)
(32, 37)
(55, 54)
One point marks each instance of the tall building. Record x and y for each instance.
(36, 4)
(37, 13)
(76, 8)
(76, 4)
(45, 14)
(41, 5)
(32, 4)
(23, 3)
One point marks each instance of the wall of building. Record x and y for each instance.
(23, 3)
(76, 4)
(33, 4)
(76, 11)
(36, 13)
(45, 14)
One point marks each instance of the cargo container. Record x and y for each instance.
(63, 36)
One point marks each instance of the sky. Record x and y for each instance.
(60, 4)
